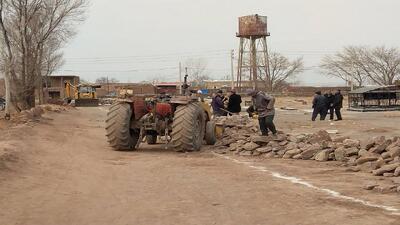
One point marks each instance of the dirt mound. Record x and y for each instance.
(34, 114)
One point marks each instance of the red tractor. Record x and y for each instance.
(184, 121)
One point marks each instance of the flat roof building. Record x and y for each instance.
(375, 98)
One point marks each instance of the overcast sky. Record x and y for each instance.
(134, 40)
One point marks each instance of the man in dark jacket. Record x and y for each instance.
(217, 104)
(319, 106)
(338, 104)
(329, 104)
(264, 105)
(234, 102)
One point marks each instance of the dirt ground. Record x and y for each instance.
(61, 171)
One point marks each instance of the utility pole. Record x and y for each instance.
(108, 87)
(180, 78)
(232, 75)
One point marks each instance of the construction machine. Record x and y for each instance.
(82, 94)
(184, 121)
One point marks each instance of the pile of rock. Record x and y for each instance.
(36, 113)
(381, 156)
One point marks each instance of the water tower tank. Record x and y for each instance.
(253, 25)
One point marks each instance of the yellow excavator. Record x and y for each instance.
(83, 94)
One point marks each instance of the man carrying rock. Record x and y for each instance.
(263, 104)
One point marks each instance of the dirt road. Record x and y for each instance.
(64, 173)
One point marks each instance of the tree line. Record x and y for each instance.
(33, 32)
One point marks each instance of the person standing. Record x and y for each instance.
(329, 104)
(217, 104)
(264, 105)
(319, 106)
(234, 102)
(338, 104)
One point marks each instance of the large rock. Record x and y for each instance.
(239, 137)
(298, 156)
(280, 137)
(235, 147)
(226, 142)
(319, 137)
(362, 152)
(281, 153)
(283, 143)
(301, 138)
(264, 149)
(261, 140)
(351, 143)
(292, 139)
(381, 147)
(301, 145)
(385, 169)
(289, 154)
(397, 172)
(310, 151)
(291, 146)
(270, 155)
(395, 143)
(385, 189)
(340, 139)
(368, 167)
(340, 154)
(352, 151)
(250, 146)
(394, 151)
(386, 155)
(322, 155)
(375, 141)
(367, 158)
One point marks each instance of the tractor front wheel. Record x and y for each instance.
(188, 127)
(119, 132)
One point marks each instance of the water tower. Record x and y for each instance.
(253, 50)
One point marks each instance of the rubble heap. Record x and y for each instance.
(381, 156)
(36, 113)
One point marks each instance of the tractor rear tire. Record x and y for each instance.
(120, 136)
(210, 133)
(188, 128)
(151, 139)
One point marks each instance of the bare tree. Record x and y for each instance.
(382, 65)
(359, 65)
(281, 69)
(52, 60)
(346, 65)
(32, 32)
(197, 70)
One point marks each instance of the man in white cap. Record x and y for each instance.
(263, 104)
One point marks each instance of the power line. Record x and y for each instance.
(153, 56)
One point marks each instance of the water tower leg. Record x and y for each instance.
(240, 64)
(266, 62)
(253, 56)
